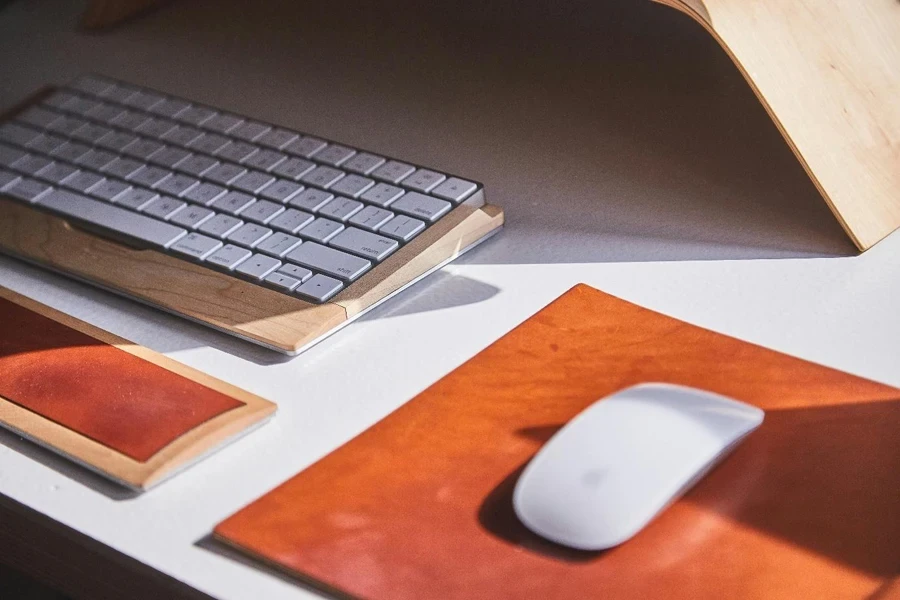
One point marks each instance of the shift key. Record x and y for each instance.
(329, 261)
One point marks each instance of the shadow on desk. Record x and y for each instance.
(615, 130)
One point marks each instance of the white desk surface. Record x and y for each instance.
(625, 148)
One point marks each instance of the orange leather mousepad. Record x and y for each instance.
(419, 506)
(60, 380)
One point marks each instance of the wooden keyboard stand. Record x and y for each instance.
(828, 73)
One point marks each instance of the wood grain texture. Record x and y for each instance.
(419, 506)
(223, 301)
(111, 396)
(125, 432)
(177, 285)
(828, 73)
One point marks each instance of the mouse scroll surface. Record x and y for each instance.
(621, 461)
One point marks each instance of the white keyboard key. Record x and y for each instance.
(209, 143)
(333, 154)
(71, 151)
(196, 246)
(233, 202)
(96, 159)
(60, 98)
(320, 230)
(382, 194)
(143, 99)
(402, 228)
(352, 186)
(192, 217)
(277, 138)
(264, 160)
(143, 148)
(222, 122)
(305, 146)
(169, 107)
(421, 206)
(37, 117)
(81, 105)
(108, 189)
(18, 135)
(249, 235)
(8, 179)
(341, 209)
(310, 200)
(148, 176)
(205, 193)
(176, 184)
(323, 177)
(155, 128)
(281, 190)
(291, 220)
(123, 168)
(393, 171)
(163, 207)
(293, 168)
(31, 164)
(195, 115)
(258, 266)
(363, 163)
(364, 243)
(168, 156)
(454, 189)
(196, 164)
(64, 125)
(371, 218)
(116, 140)
(29, 190)
(262, 211)
(282, 282)
(104, 112)
(117, 92)
(129, 120)
(220, 226)
(119, 220)
(249, 130)
(252, 181)
(224, 173)
(278, 244)
(236, 151)
(46, 143)
(295, 271)
(91, 84)
(423, 180)
(10, 155)
(55, 172)
(336, 263)
(81, 181)
(319, 288)
(229, 256)
(90, 132)
(182, 135)
(136, 198)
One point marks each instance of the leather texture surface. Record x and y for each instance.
(115, 398)
(419, 506)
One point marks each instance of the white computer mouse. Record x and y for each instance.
(600, 479)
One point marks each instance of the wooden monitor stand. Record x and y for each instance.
(828, 72)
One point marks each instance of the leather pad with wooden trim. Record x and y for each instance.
(57, 376)
(420, 505)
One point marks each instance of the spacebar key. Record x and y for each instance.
(121, 221)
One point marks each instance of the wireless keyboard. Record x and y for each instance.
(267, 220)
